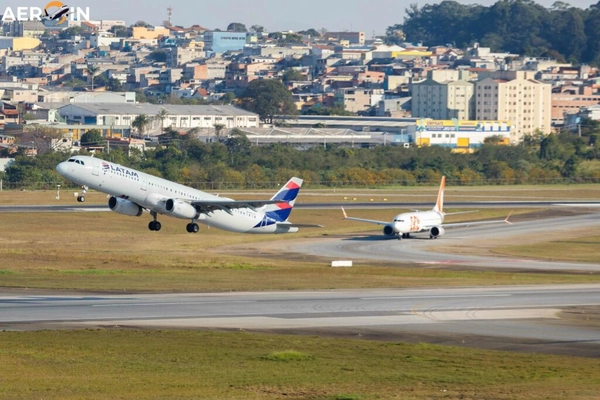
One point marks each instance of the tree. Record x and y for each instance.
(311, 32)
(44, 139)
(291, 74)
(140, 123)
(119, 31)
(158, 56)
(114, 85)
(219, 130)
(236, 27)
(268, 98)
(93, 137)
(70, 32)
(92, 70)
(161, 115)
(142, 24)
(257, 29)
(74, 83)
(238, 146)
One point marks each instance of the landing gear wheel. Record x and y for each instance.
(81, 199)
(154, 226)
(192, 228)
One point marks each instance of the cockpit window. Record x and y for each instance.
(71, 160)
(78, 162)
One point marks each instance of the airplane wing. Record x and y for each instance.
(459, 224)
(371, 221)
(291, 225)
(206, 206)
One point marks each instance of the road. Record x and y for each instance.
(523, 318)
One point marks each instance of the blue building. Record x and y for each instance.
(220, 42)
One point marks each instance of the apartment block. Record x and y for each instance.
(358, 99)
(443, 100)
(513, 96)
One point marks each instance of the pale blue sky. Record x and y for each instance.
(363, 15)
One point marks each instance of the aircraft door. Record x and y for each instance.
(144, 182)
(95, 167)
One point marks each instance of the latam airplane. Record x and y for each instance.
(133, 191)
(432, 221)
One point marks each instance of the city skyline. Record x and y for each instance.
(350, 15)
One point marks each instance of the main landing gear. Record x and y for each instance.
(81, 198)
(192, 227)
(154, 225)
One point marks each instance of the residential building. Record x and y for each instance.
(358, 99)
(141, 32)
(352, 37)
(512, 96)
(443, 100)
(220, 42)
(19, 43)
(570, 101)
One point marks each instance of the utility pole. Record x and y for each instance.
(169, 13)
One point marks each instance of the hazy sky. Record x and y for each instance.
(334, 15)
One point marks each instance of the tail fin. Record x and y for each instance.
(439, 204)
(287, 194)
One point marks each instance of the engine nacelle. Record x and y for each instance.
(124, 207)
(181, 209)
(389, 230)
(436, 231)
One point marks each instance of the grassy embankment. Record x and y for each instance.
(126, 364)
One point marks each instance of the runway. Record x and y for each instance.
(324, 206)
(527, 317)
(510, 318)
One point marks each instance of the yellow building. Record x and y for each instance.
(460, 136)
(19, 43)
(140, 32)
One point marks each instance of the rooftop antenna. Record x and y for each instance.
(169, 13)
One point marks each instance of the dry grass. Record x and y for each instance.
(583, 248)
(130, 364)
(109, 252)
(580, 192)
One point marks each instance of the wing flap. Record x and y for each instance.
(206, 206)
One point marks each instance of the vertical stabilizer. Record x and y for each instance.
(439, 204)
(287, 194)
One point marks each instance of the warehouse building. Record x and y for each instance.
(174, 116)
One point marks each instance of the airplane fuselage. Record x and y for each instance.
(415, 222)
(151, 193)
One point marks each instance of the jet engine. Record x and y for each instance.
(389, 230)
(181, 209)
(436, 231)
(124, 207)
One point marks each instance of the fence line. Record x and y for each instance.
(212, 186)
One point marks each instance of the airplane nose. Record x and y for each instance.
(62, 168)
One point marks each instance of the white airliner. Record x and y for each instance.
(432, 221)
(133, 191)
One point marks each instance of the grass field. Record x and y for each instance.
(585, 248)
(105, 251)
(580, 192)
(130, 364)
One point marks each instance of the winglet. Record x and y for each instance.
(439, 205)
(506, 221)
(344, 211)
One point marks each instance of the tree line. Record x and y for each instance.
(232, 162)
(561, 31)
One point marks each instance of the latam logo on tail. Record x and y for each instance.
(55, 12)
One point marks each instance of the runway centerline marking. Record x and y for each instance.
(436, 297)
(171, 304)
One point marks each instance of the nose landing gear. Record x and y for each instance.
(81, 198)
